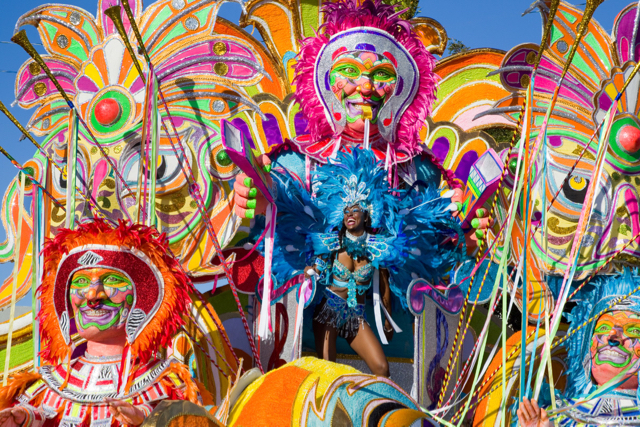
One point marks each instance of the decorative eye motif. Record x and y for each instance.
(575, 189)
(219, 163)
(168, 175)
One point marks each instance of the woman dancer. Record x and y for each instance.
(354, 233)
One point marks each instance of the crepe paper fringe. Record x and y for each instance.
(479, 259)
(16, 386)
(559, 342)
(545, 36)
(516, 195)
(165, 321)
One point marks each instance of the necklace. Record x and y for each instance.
(356, 246)
(92, 358)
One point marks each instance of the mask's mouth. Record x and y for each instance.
(613, 355)
(100, 314)
(354, 106)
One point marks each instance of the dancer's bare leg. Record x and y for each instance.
(326, 337)
(368, 347)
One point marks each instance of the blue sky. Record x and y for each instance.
(489, 23)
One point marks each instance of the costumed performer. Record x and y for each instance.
(354, 232)
(601, 352)
(124, 294)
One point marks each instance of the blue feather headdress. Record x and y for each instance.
(352, 179)
(605, 291)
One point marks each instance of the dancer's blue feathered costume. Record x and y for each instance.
(412, 229)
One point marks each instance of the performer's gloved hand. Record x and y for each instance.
(531, 415)
(249, 201)
(125, 412)
(480, 223)
(12, 417)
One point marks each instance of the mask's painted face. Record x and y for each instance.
(362, 78)
(354, 218)
(101, 299)
(614, 345)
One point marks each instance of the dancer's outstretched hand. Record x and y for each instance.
(531, 415)
(249, 201)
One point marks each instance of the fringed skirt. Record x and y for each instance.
(333, 311)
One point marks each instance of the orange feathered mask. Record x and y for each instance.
(139, 252)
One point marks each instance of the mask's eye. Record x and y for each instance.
(602, 329)
(575, 189)
(633, 331)
(383, 75)
(348, 71)
(112, 279)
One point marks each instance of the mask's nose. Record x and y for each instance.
(95, 295)
(614, 338)
(366, 88)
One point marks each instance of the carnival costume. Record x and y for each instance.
(615, 407)
(409, 232)
(71, 391)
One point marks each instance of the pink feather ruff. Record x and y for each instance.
(347, 14)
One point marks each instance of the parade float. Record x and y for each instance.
(322, 225)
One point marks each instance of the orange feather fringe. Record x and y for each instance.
(16, 386)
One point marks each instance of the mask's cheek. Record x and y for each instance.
(634, 347)
(76, 300)
(385, 90)
(124, 297)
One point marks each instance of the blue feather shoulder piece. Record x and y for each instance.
(432, 242)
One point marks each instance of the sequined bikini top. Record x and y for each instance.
(358, 281)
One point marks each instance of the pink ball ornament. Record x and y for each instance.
(629, 138)
(107, 111)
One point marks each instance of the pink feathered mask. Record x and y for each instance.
(403, 121)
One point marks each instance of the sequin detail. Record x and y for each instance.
(334, 311)
(358, 281)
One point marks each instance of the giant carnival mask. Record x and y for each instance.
(203, 74)
(101, 299)
(599, 350)
(365, 54)
(379, 72)
(614, 346)
(359, 79)
(592, 83)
